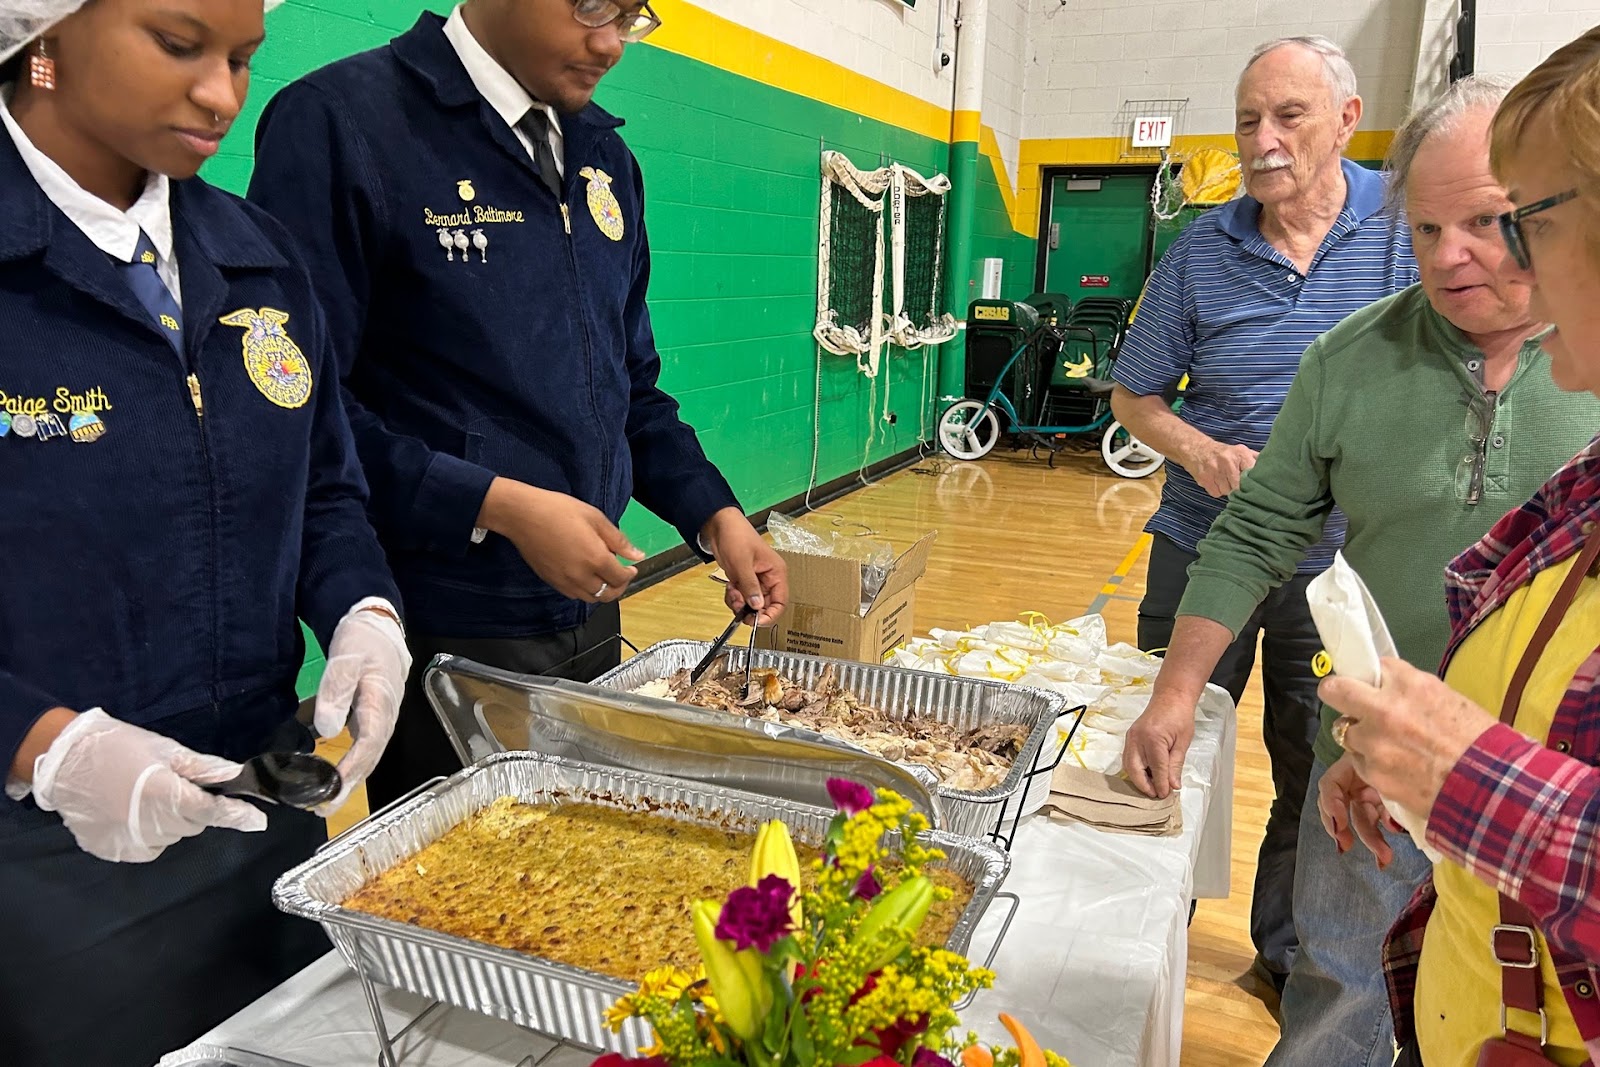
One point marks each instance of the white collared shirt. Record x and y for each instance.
(503, 92)
(114, 232)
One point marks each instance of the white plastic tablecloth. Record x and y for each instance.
(1094, 963)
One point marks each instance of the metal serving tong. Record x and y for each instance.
(717, 646)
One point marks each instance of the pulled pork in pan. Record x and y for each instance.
(970, 760)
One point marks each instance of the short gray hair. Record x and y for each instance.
(1336, 68)
(1476, 92)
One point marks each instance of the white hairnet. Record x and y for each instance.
(21, 21)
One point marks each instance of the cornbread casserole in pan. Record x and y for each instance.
(587, 885)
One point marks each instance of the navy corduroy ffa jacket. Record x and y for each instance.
(485, 327)
(158, 537)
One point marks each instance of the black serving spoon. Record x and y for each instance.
(293, 779)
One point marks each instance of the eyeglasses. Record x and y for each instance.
(1469, 477)
(1511, 226)
(635, 24)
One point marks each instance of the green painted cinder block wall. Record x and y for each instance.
(731, 170)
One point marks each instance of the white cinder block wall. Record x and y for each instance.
(1063, 68)
(898, 45)
(1086, 57)
(1005, 77)
(1514, 36)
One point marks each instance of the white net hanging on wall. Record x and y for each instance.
(917, 228)
(1202, 178)
(850, 262)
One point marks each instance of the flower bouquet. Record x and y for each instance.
(826, 971)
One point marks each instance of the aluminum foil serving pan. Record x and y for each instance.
(965, 703)
(485, 710)
(210, 1056)
(556, 999)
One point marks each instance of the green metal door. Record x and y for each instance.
(1099, 236)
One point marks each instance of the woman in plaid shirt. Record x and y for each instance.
(1496, 960)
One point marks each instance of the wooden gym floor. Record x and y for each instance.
(1015, 536)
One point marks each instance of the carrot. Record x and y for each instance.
(1029, 1053)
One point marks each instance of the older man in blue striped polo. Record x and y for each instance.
(1233, 305)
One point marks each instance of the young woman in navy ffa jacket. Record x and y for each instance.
(180, 485)
(476, 228)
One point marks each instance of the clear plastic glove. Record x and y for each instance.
(361, 686)
(127, 793)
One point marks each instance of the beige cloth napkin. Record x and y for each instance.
(1111, 804)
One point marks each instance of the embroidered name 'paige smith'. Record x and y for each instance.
(66, 402)
(477, 215)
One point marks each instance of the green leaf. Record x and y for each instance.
(858, 1055)
(777, 1021)
(800, 1043)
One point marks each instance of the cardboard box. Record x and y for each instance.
(825, 615)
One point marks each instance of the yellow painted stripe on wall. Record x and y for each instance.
(1066, 151)
(698, 34)
(989, 146)
(1038, 153)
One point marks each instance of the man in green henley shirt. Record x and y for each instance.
(1424, 418)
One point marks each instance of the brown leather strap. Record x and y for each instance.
(1547, 628)
(1516, 948)
(1516, 940)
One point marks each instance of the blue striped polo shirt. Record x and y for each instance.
(1232, 312)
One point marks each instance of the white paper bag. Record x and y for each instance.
(1355, 637)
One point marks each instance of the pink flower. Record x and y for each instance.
(757, 916)
(867, 886)
(849, 797)
(926, 1057)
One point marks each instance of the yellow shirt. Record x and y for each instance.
(1458, 982)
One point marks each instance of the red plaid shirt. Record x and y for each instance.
(1523, 817)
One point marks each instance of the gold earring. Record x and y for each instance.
(41, 68)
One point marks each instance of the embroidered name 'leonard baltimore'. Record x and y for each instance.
(477, 215)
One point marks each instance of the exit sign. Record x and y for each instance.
(1152, 131)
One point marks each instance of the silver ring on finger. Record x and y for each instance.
(601, 592)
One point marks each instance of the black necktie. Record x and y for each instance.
(536, 126)
(152, 292)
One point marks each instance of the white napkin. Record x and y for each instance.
(1355, 637)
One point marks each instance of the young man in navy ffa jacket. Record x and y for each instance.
(476, 228)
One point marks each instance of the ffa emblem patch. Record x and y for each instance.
(86, 427)
(274, 362)
(603, 203)
(465, 190)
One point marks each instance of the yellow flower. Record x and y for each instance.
(736, 977)
(619, 1013)
(666, 982)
